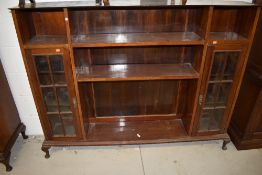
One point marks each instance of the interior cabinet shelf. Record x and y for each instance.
(62, 112)
(39, 41)
(227, 36)
(53, 85)
(216, 107)
(220, 81)
(124, 72)
(137, 39)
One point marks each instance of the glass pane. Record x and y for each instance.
(44, 78)
(42, 70)
(56, 125)
(231, 65)
(218, 66)
(62, 94)
(57, 67)
(41, 64)
(212, 90)
(204, 120)
(59, 78)
(50, 99)
(224, 65)
(68, 124)
(211, 119)
(56, 62)
(217, 115)
(224, 90)
(217, 94)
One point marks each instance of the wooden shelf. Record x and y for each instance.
(137, 39)
(216, 107)
(45, 41)
(125, 72)
(220, 81)
(136, 131)
(53, 85)
(227, 36)
(57, 113)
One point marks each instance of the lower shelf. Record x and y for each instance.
(136, 131)
(50, 143)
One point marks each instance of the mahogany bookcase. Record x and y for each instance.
(134, 72)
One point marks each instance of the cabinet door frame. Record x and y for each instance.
(211, 51)
(39, 97)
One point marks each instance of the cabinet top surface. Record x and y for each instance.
(132, 3)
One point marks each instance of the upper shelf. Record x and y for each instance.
(134, 27)
(42, 28)
(137, 27)
(128, 72)
(137, 39)
(232, 24)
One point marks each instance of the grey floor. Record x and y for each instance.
(196, 158)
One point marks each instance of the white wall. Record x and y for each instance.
(12, 61)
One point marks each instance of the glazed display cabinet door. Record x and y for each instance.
(53, 84)
(219, 90)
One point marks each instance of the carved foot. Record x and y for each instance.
(23, 133)
(6, 162)
(46, 150)
(8, 167)
(225, 142)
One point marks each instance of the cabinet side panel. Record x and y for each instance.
(244, 105)
(9, 117)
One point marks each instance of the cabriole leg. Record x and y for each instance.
(23, 132)
(6, 162)
(46, 150)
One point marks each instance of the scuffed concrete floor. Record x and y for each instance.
(194, 158)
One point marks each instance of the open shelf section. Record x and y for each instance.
(136, 100)
(233, 24)
(136, 131)
(124, 72)
(138, 27)
(43, 28)
(137, 39)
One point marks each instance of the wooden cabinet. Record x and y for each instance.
(10, 123)
(137, 73)
(246, 125)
